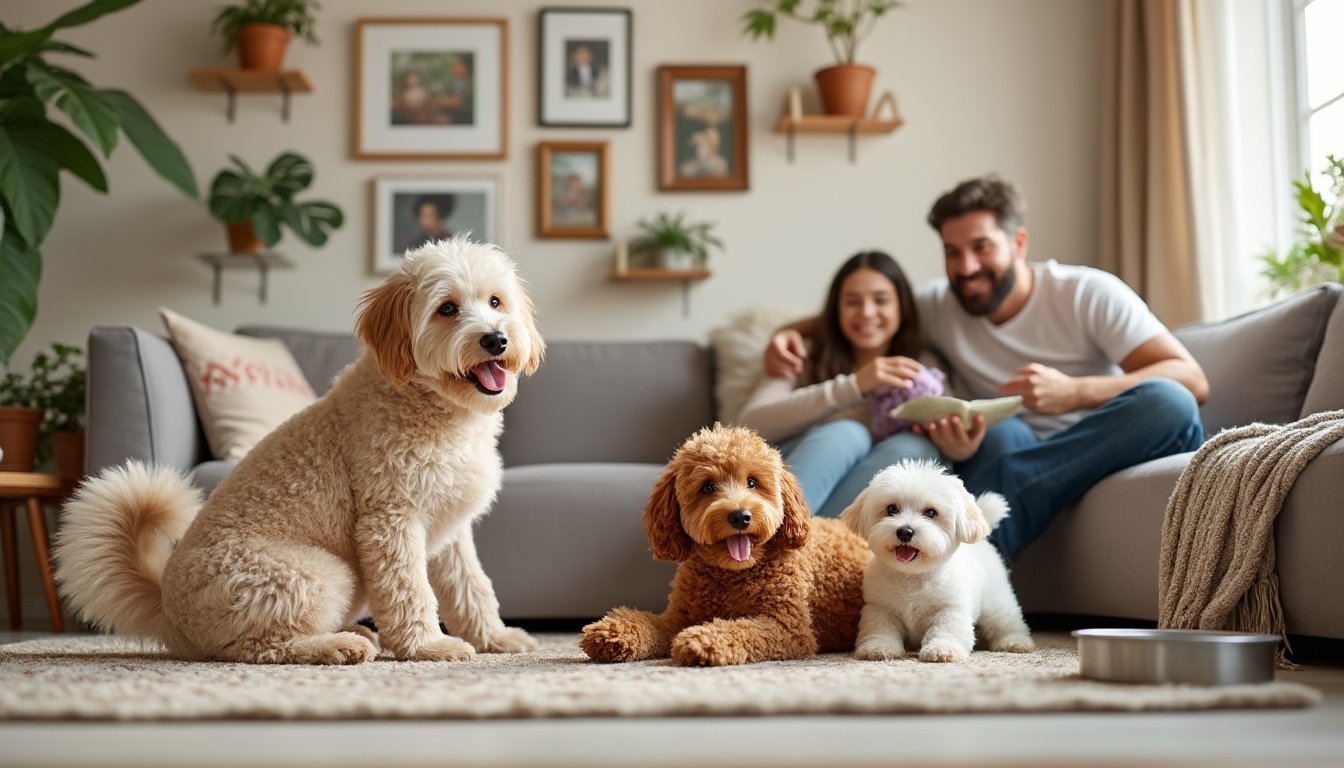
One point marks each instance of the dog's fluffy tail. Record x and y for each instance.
(115, 538)
(994, 507)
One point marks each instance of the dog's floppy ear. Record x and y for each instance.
(536, 345)
(385, 327)
(662, 520)
(971, 524)
(852, 517)
(797, 519)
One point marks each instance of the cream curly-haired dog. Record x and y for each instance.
(759, 577)
(363, 499)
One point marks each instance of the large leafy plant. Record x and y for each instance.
(267, 199)
(294, 15)
(34, 150)
(845, 22)
(1318, 256)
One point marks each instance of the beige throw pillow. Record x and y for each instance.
(739, 351)
(243, 387)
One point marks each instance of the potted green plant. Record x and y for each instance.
(1318, 256)
(845, 87)
(674, 243)
(49, 406)
(254, 205)
(30, 86)
(261, 30)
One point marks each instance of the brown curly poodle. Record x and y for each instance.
(759, 577)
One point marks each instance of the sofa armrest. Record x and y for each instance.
(139, 402)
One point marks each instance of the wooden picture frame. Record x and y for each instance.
(432, 89)
(584, 67)
(702, 128)
(409, 211)
(573, 195)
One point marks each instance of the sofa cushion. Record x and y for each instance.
(243, 387)
(568, 541)
(1260, 364)
(1326, 392)
(321, 354)
(609, 401)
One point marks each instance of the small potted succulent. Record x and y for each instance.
(674, 243)
(845, 87)
(261, 30)
(254, 205)
(49, 406)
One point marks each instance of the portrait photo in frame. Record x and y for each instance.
(432, 89)
(702, 128)
(409, 211)
(583, 67)
(572, 189)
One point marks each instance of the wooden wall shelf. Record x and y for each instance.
(660, 274)
(236, 81)
(793, 122)
(262, 261)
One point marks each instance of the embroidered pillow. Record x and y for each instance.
(243, 387)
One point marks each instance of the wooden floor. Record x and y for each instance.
(1276, 739)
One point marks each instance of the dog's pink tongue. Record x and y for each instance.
(739, 546)
(491, 375)
(906, 554)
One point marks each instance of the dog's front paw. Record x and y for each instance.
(706, 646)
(508, 640)
(441, 649)
(879, 650)
(1015, 644)
(943, 652)
(610, 640)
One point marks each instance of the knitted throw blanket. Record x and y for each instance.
(1217, 567)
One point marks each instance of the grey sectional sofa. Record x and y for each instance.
(587, 436)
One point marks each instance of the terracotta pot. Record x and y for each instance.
(68, 450)
(242, 237)
(18, 437)
(261, 47)
(844, 89)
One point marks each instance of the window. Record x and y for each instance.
(1320, 25)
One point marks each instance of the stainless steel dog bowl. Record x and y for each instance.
(1193, 656)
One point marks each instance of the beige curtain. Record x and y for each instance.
(1165, 196)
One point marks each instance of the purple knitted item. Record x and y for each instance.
(929, 382)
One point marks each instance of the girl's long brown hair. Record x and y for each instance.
(831, 352)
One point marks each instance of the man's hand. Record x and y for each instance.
(898, 371)
(1043, 389)
(785, 354)
(951, 437)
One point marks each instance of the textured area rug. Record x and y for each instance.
(107, 678)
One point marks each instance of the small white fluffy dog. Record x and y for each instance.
(364, 500)
(922, 586)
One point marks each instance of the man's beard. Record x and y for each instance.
(999, 288)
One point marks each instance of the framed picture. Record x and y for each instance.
(702, 128)
(409, 211)
(583, 67)
(432, 88)
(572, 189)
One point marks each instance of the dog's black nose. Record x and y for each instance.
(739, 518)
(495, 342)
(905, 533)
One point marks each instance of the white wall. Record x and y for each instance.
(983, 85)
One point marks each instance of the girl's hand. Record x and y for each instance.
(898, 371)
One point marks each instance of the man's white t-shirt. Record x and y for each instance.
(1079, 320)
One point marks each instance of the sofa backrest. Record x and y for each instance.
(589, 401)
(610, 401)
(1261, 364)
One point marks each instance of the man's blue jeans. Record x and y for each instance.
(834, 461)
(1039, 477)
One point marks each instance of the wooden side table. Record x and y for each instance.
(29, 490)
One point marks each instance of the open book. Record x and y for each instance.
(922, 410)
